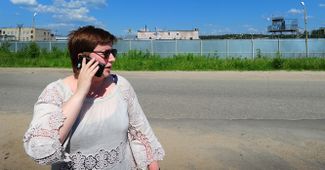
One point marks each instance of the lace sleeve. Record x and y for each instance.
(41, 141)
(144, 144)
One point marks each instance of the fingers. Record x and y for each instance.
(83, 62)
(89, 67)
(86, 64)
(93, 68)
(91, 62)
(86, 74)
(93, 72)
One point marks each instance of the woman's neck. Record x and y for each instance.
(97, 89)
(97, 81)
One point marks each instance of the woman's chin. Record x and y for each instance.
(106, 72)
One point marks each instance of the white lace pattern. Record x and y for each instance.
(100, 160)
(33, 137)
(138, 124)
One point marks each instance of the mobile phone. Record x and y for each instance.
(100, 65)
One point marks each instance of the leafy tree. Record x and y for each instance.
(319, 33)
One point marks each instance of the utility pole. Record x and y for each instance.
(306, 32)
(34, 29)
(19, 30)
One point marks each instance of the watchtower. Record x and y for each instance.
(282, 25)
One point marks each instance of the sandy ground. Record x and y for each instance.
(205, 144)
(12, 154)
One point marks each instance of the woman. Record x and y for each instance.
(91, 119)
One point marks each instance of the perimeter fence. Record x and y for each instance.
(248, 48)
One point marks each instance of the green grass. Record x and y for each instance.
(137, 60)
(33, 56)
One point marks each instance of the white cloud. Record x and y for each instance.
(295, 11)
(322, 5)
(65, 12)
(80, 3)
(59, 28)
(251, 29)
(80, 14)
(56, 25)
(247, 26)
(96, 2)
(212, 29)
(70, 4)
(24, 2)
(266, 17)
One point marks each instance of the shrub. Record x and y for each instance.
(258, 53)
(277, 63)
(5, 47)
(33, 50)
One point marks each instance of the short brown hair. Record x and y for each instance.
(85, 39)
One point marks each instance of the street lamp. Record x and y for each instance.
(33, 36)
(34, 15)
(305, 20)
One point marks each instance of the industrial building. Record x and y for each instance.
(168, 35)
(26, 34)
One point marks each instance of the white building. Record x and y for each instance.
(27, 34)
(168, 35)
(61, 38)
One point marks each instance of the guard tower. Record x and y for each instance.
(281, 25)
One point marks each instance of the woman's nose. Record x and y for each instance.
(111, 58)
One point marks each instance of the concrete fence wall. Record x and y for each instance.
(249, 48)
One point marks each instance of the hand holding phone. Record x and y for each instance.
(100, 65)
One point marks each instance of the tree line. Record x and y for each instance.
(319, 33)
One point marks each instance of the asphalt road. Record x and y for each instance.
(213, 120)
(202, 95)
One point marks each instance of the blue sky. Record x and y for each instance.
(119, 16)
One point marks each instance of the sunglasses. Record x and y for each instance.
(106, 53)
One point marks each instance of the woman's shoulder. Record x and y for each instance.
(56, 86)
(121, 81)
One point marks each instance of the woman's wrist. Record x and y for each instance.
(80, 95)
(153, 166)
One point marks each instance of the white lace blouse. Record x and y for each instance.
(111, 132)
